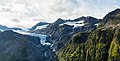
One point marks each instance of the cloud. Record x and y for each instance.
(49, 10)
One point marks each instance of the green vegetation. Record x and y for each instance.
(97, 45)
(101, 44)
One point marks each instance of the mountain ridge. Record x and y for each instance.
(81, 39)
(101, 44)
(62, 30)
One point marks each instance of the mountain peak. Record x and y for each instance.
(112, 18)
(117, 10)
(59, 21)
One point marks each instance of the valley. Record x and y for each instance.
(81, 39)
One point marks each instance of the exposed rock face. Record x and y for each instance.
(17, 47)
(101, 44)
(73, 40)
(62, 30)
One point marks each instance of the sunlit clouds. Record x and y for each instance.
(26, 13)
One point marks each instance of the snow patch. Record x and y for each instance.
(75, 24)
(97, 24)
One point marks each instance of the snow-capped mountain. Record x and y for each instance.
(62, 30)
(79, 22)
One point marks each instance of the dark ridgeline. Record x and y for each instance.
(84, 43)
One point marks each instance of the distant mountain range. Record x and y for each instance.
(81, 39)
(7, 28)
(85, 38)
(79, 22)
(62, 30)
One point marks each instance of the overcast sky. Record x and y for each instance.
(26, 13)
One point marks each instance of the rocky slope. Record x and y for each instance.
(81, 39)
(62, 30)
(101, 44)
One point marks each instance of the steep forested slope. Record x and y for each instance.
(101, 44)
